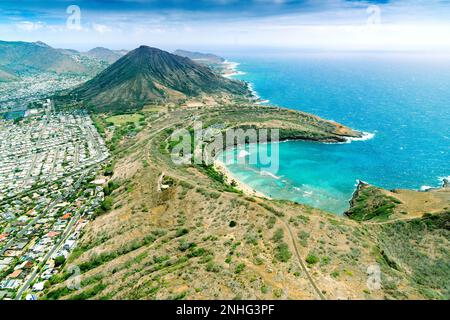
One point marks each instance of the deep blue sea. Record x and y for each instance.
(403, 99)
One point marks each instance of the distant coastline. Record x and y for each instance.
(230, 69)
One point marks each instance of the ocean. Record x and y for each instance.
(403, 100)
(12, 115)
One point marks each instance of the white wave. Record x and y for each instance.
(358, 182)
(441, 182)
(270, 174)
(234, 74)
(243, 154)
(366, 136)
(232, 66)
(263, 102)
(253, 91)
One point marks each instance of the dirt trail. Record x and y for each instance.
(290, 234)
(302, 264)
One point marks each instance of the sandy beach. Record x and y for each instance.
(230, 69)
(246, 189)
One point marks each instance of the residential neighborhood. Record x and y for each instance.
(30, 88)
(49, 163)
(46, 146)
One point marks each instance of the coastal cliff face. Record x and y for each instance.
(370, 203)
(292, 125)
(412, 236)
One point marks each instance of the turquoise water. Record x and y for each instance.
(403, 99)
(12, 115)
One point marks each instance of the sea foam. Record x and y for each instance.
(243, 154)
(269, 174)
(365, 137)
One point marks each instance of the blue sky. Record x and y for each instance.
(289, 24)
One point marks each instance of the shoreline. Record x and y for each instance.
(231, 69)
(230, 178)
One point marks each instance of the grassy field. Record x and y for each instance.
(152, 109)
(122, 119)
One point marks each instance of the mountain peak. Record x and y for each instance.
(148, 49)
(99, 49)
(151, 75)
(106, 54)
(29, 57)
(145, 47)
(42, 44)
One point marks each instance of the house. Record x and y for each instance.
(6, 261)
(38, 286)
(31, 213)
(20, 245)
(53, 234)
(15, 274)
(26, 265)
(66, 216)
(99, 182)
(30, 297)
(13, 253)
(9, 284)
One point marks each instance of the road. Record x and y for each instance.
(66, 234)
(49, 207)
(33, 163)
(60, 179)
(99, 159)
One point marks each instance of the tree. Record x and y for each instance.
(109, 170)
(59, 261)
(107, 203)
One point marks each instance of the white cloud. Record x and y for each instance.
(101, 28)
(335, 27)
(30, 26)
